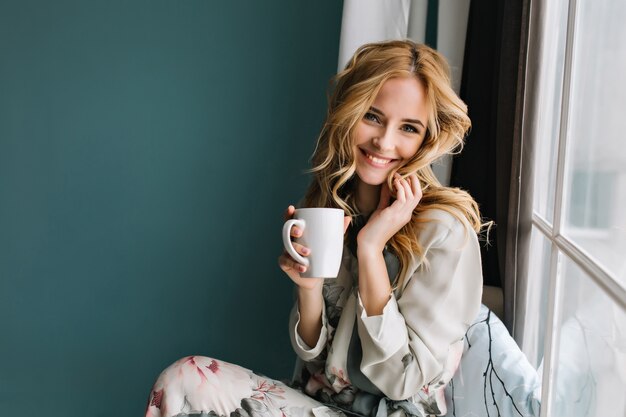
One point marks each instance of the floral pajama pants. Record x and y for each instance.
(198, 385)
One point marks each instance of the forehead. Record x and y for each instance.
(402, 97)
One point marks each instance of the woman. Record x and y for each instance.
(386, 335)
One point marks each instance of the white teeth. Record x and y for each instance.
(378, 160)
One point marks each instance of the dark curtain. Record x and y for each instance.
(492, 87)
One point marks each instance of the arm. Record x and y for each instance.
(374, 286)
(308, 329)
(310, 302)
(385, 221)
(307, 323)
(407, 346)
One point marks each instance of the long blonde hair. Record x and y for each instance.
(353, 91)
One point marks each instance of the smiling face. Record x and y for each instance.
(392, 130)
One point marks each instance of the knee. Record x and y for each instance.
(171, 385)
(185, 368)
(195, 380)
(189, 362)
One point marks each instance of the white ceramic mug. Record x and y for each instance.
(322, 233)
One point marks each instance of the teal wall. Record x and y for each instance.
(147, 152)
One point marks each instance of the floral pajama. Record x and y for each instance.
(198, 385)
(407, 355)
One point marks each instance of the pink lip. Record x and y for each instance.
(364, 153)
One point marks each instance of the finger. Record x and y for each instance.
(287, 263)
(284, 262)
(296, 231)
(290, 262)
(289, 212)
(416, 186)
(385, 194)
(346, 222)
(408, 192)
(298, 267)
(302, 250)
(400, 193)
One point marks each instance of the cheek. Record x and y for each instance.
(363, 133)
(410, 149)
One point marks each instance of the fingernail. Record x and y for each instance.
(306, 251)
(302, 268)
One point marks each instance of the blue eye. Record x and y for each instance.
(409, 129)
(371, 117)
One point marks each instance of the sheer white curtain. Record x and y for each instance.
(545, 68)
(367, 21)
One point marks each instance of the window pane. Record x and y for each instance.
(533, 318)
(595, 199)
(549, 107)
(590, 375)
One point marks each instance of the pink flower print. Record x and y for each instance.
(341, 374)
(338, 379)
(157, 396)
(202, 375)
(267, 392)
(315, 383)
(194, 383)
(153, 407)
(191, 360)
(213, 367)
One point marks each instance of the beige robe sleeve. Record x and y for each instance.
(407, 347)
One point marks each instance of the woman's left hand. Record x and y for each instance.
(387, 220)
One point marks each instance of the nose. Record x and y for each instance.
(384, 141)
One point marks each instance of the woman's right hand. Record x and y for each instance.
(289, 265)
(293, 268)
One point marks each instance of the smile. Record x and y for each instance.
(376, 160)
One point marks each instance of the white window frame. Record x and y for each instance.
(553, 232)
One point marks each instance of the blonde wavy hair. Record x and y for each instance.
(352, 92)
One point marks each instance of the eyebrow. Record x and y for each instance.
(418, 122)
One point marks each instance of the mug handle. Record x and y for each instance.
(287, 240)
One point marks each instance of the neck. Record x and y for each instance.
(367, 197)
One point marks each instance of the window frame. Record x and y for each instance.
(561, 247)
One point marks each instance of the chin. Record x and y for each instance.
(372, 179)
